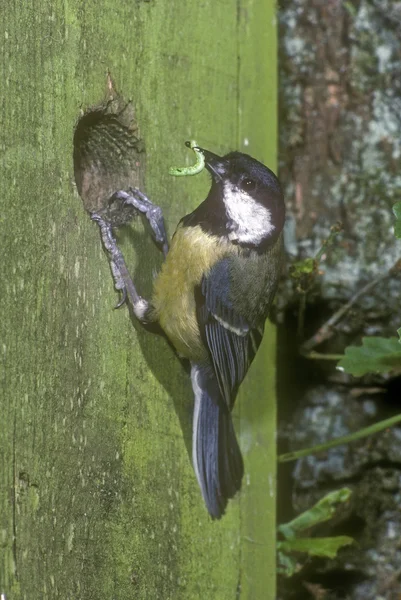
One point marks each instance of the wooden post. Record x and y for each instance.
(98, 499)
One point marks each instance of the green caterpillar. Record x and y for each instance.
(193, 169)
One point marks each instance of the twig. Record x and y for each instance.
(334, 231)
(326, 330)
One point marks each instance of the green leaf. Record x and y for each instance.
(399, 334)
(287, 565)
(397, 226)
(322, 511)
(307, 266)
(326, 547)
(376, 355)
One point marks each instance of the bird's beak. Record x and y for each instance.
(214, 164)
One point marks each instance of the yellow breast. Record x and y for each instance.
(192, 254)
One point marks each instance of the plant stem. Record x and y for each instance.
(346, 439)
(322, 356)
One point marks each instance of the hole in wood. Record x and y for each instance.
(109, 155)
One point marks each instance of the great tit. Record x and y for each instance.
(211, 299)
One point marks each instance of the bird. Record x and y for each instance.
(211, 299)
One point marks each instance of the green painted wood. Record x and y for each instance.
(257, 134)
(97, 494)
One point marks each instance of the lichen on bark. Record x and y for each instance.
(340, 112)
(340, 159)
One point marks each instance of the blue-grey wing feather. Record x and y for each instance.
(230, 339)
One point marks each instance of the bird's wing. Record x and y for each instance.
(230, 340)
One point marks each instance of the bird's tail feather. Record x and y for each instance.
(216, 455)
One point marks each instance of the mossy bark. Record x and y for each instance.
(97, 494)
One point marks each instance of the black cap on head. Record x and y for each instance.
(236, 165)
(237, 181)
(240, 166)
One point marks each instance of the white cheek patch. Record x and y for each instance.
(251, 222)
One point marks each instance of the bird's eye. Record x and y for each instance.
(248, 185)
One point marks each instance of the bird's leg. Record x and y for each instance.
(153, 214)
(121, 276)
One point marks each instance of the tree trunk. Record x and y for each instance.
(98, 498)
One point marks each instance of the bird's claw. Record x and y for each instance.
(123, 298)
